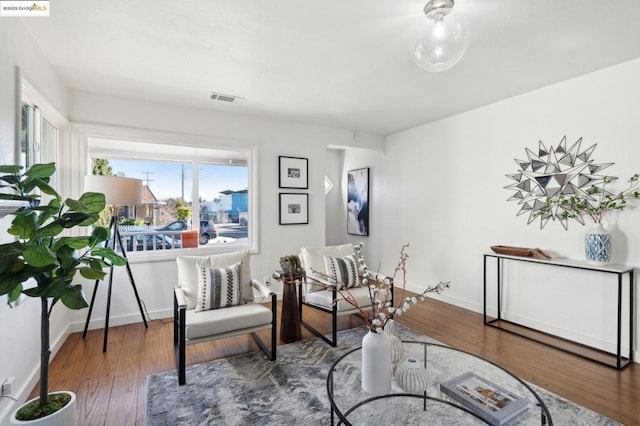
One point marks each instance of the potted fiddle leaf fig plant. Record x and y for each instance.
(45, 264)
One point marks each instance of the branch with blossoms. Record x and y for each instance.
(380, 292)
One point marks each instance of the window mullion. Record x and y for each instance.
(195, 196)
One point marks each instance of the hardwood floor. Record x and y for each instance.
(111, 387)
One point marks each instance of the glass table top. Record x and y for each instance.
(351, 405)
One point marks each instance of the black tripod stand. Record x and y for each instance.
(116, 234)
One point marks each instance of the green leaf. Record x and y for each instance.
(92, 274)
(100, 234)
(13, 295)
(8, 282)
(73, 297)
(39, 256)
(94, 202)
(76, 243)
(23, 225)
(46, 188)
(10, 169)
(50, 230)
(95, 263)
(89, 202)
(67, 257)
(51, 288)
(71, 219)
(110, 255)
(41, 171)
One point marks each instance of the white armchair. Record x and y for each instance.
(320, 292)
(214, 299)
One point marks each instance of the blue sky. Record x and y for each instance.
(164, 178)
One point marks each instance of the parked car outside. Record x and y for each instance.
(207, 229)
(145, 241)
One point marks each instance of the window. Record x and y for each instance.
(185, 188)
(38, 136)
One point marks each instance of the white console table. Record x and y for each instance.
(619, 272)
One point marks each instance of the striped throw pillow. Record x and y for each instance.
(219, 287)
(342, 270)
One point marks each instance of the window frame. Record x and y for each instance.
(120, 142)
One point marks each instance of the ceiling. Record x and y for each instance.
(335, 63)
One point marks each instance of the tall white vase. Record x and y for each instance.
(376, 364)
(597, 245)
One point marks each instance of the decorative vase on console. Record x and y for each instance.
(376, 363)
(597, 245)
(397, 349)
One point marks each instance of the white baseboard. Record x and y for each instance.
(118, 320)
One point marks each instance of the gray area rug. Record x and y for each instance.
(251, 390)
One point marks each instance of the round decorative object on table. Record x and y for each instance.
(597, 245)
(411, 377)
(397, 349)
(376, 364)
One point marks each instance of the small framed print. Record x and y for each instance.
(293, 172)
(294, 209)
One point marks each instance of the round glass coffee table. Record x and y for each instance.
(350, 405)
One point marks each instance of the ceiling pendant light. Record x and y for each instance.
(443, 42)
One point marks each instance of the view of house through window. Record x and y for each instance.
(185, 203)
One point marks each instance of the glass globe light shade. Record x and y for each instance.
(441, 44)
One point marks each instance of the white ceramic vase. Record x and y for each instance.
(397, 348)
(597, 245)
(376, 364)
(411, 377)
(66, 416)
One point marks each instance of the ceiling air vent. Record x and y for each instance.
(224, 98)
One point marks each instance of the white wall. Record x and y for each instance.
(335, 210)
(444, 188)
(19, 327)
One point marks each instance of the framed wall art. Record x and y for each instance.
(358, 202)
(293, 172)
(294, 209)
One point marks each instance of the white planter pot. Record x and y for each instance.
(376, 364)
(67, 416)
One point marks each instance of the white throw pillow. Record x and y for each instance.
(342, 270)
(219, 287)
(188, 274)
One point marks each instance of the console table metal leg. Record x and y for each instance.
(631, 305)
(619, 336)
(499, 281)
(484, 290)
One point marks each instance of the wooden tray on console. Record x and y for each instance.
(512, 251)
(521, 251)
